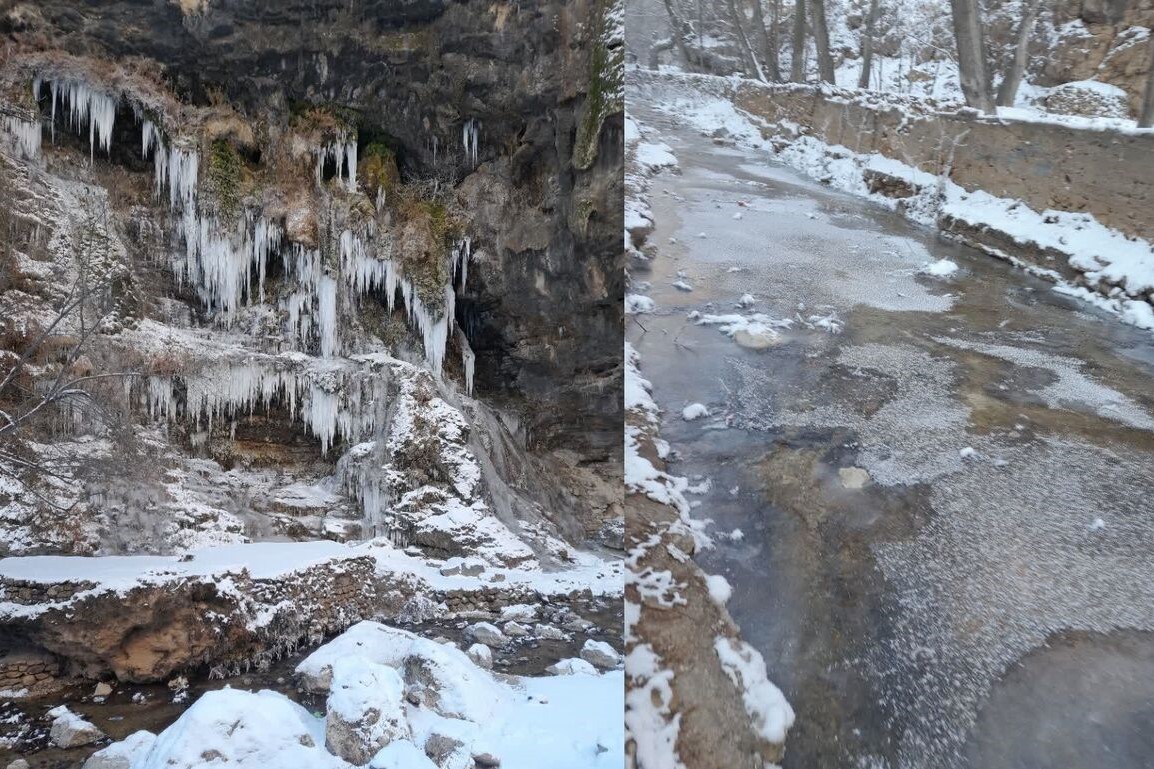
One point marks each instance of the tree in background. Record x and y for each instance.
(797, 65)
(972, 62)
(1008, 90)
(820, 29)
(1146, 116)
(867, 44)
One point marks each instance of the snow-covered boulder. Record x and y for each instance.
(70, 730)
(570, 667)
(401, 754)
(487, 633)
(454, 686)
(1088, 98)
(120, 755)
(481, 655)
(365, 709)
(550, 633)
(600, 654)
(517, 630)
(239, 729)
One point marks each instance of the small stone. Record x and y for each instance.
(550, 633)
(19, 763)
(102, 690)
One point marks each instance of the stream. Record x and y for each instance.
(946, 510)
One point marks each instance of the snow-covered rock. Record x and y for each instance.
(719, 589)
(600, 654)
(481, 655)
(572, 666)
(1088, 98)
(942, 268)
(487, 633)
(401, 754)
(120, 755)
(365, 709)
(517, 630)
(70, 730)
(454, 685)
(230, 727)
(550, 633)
(694, 411)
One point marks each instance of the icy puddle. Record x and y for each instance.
(935, 513)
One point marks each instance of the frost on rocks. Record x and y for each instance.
(487, 634)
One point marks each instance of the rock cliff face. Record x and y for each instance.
(268, 204)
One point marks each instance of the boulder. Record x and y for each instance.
(120, 755)
(517, 630)
(571, 666)
(487, 633)
(600, 655)
(70, 730)
(550, 633)
(365, 709)
(401, 754)
(481, 655)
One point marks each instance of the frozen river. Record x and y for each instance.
(947, 508)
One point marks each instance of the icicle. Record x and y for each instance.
(26, 136)
(468, 360)
(470, 137)
(462, 253)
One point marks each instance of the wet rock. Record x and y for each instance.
(600, 655)
(486, 761)
(70, 730)
(488, 634)
(853, 477)
(102, 689)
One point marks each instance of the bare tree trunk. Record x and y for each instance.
(1008, 90)
(867, 45)
(972, 69)
(749, 61)
(797, 66)
(821, 41)
(768, 49)
(1146, 119)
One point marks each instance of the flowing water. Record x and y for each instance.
(946, 510)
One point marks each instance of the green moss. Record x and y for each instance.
(606, 81)
(377, 168)
(224, 180)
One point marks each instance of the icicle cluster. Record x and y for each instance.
(468, 360)
(470, 137)
(25, 135)
(343, 153)
(227, 265)
(462, 254)
(348, 402)
(87, 107)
